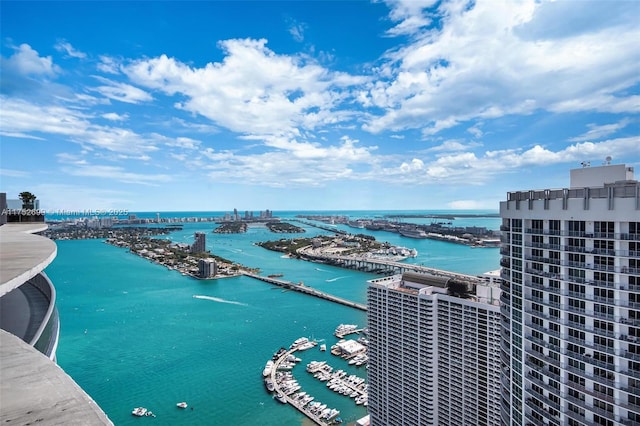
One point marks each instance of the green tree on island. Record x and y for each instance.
(28, 200)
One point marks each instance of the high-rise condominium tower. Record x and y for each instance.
(434, 351)
(200, 243)
(571, 293)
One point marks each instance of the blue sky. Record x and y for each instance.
(308, 105)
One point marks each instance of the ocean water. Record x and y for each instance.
(133, 334)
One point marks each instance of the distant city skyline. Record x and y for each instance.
(317, 105)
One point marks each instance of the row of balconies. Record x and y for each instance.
(624, 236)
(615, 285)
(578, 265)
(576, 325)
(588, 300)
(588, 313)
(541, 411)
(590, 360)
(545, 369)
(578, 280)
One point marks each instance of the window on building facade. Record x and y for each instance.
(576, 228)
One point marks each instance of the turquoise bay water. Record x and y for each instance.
(132, 334)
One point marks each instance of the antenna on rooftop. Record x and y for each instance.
(608, 160)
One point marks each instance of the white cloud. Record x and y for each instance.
(27, 62)
(296, 29)
(55, 197)
(409, 14)
(121, 91)
(66, 47)
(68, 158)
(112, 116)
(454, 145)
(116, 173)
(179, 142)
(108, 65)
(468, 168)
(20, 117)
(596, 132)
(490, 59)
(291, 164)
(285, 95)
(13, 173)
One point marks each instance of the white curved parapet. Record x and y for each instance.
(22, 254)
(34, 390)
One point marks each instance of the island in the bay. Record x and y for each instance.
(141, 237)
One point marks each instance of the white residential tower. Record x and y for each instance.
(434, 351)
(571, 301)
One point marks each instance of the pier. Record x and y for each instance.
(306, 290)
(291, 398)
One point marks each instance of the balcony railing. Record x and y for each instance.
(541, 411)
(543, 259)
(542, 397)
(589, 359)
(538, 231)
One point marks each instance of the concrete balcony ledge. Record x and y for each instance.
(22, 254)
(34, 390)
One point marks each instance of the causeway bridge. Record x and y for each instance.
(381, 266)
(299, 287)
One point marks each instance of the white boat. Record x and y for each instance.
(281, 398)
(333, 413)
(181, 404)
(305, 346)
(413, 233)
(139, 411)
(267, 368)
(269, 384)
(299, 341)
(323, 347)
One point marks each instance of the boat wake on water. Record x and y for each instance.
(219, 300)
(334, 279)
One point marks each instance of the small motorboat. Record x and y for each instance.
(181, 404)
(139, 411)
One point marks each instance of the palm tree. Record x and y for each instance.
(28, 200)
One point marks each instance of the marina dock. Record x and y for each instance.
(306, 290)
(280, 358)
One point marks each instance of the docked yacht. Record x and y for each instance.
(267, 368)
(299, 341)
(269, 384)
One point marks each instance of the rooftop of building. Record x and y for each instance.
(609, 180)
(415, 283)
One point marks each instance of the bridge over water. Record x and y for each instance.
(307, 290)
(381, 266)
